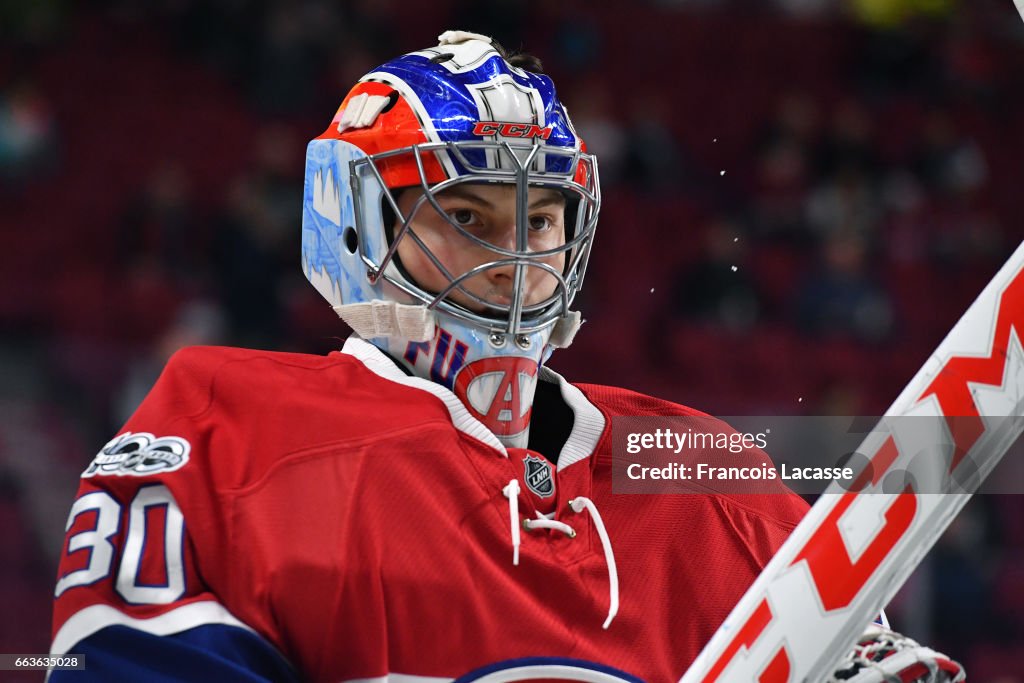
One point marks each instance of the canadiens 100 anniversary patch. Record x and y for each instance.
(139, 454)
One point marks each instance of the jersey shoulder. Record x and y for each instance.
(199, 367)
(241, 411)
(229, 381)
(770, 502)
(195, 376)
(619, 402)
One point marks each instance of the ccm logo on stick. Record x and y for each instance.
(511, 130)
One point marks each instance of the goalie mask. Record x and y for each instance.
(448, 215)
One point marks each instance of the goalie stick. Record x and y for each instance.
(854, 549)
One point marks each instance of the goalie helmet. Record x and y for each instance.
(429, 122)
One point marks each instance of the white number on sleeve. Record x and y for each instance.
(101, 549)
(135, 545)
(97, 539)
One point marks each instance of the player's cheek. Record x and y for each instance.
(544, 283)
(421, 268)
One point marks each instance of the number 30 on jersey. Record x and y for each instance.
(149, 572)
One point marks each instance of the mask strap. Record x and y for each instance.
(378, 318)
(565, 330)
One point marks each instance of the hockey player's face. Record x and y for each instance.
(487, 212)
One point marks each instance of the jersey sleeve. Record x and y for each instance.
(142, 537)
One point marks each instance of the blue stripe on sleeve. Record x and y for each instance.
(215, 653)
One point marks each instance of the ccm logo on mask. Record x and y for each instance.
(511, 130)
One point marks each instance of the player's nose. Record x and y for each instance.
(501, 281)
(502, 278)
(504, 237)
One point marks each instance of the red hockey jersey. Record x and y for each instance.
(353, 520)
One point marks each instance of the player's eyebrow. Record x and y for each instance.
(467, 195)
(550, 198)
(555, 198)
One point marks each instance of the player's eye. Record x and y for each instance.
(540, 223)
(463, 217)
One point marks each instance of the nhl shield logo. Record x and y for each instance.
(538, 476)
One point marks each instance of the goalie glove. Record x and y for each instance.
(884, 656)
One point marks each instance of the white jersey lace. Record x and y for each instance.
(577, 505)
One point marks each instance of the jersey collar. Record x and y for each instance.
(588, 426)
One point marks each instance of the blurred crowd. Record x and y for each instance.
(800, 198)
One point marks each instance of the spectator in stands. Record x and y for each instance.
(946, 161)
(719, 289)
(594, 118)
(780, 191)
(253, 237)
(786, 147)
(954, 171)
(796, 120)
(841, 297)
(961, 566)
(159, 225)
(846, 204)
(848, 142)
(505, 20)
(578, 41)
(284, 78)
(28, 133)
(654, 161)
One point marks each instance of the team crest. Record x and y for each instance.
(499, 392)
(538, 477)
(139, 454)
